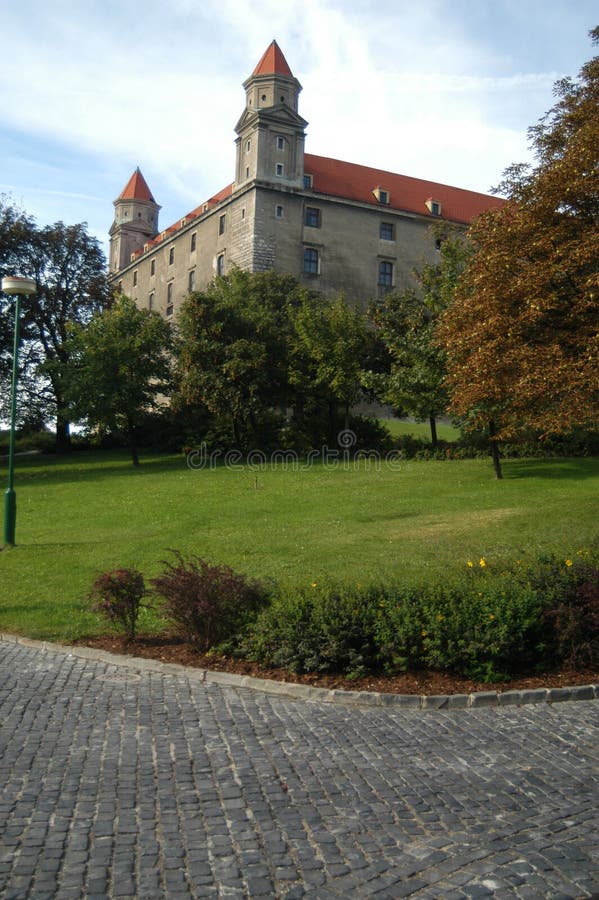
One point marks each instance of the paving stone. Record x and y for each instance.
(151, 783)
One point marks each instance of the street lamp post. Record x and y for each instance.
(16, 287)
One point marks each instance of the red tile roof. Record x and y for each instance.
(273, 62)
(136, 188)
(354, 182)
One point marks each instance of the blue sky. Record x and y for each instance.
(437, 89)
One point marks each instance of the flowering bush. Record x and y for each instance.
(207, 603)
(117, 595)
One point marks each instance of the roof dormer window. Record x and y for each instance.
(381, 195)
(433, 206)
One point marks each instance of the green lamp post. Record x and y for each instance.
(16, 287)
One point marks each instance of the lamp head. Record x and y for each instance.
(15, 284)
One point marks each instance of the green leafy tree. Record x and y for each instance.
(232, 349)
(406, 324)
(329, 350)
(522, 339)
(69, 269)
(119, 365)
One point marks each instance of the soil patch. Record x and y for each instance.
(171, 649)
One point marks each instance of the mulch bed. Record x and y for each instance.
(172, 649)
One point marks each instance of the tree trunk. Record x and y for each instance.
(495, 456)
(434, 438)
(63, 433)
(133, 447)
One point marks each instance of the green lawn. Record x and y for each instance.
(422, 430)
(88, 512)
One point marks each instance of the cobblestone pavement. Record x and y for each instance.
(120, 783)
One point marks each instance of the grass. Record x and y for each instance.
(88, 512)
(422, 430)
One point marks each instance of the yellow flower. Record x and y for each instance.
(482, 562)
(423, 633)
(491, 616)
(568, 562)
(313, 584)
(470, 564)
(439, 618)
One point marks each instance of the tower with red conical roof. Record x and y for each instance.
(135, 220)
(271, 133)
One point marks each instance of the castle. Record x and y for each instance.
(334, 225)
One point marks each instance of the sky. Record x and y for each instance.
(438, 89)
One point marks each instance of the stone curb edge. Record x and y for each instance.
(475, 700)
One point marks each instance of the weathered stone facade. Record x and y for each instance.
(336, 226)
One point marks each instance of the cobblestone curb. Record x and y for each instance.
(426, 702)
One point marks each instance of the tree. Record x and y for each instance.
(118, 364)
(330, 342)
(522, 338)
(232, 348)
(406, 324)
(69, 268)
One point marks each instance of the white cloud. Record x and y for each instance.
(436, 90)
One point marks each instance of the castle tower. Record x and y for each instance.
(135, 221)
(271, 133)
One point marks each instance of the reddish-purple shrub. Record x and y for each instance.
(207, 603)
(117, 595)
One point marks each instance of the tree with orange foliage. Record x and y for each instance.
(522, 336)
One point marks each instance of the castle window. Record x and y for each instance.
(192, 280)
(220, 264)
(381, 195)
(169, 299)
(312, 217)
(171, 256)
(135, 278)
(438, 244)
(279, 212)
(152, 267)
(151, 301)
(433, 206)
(280, 143)
(247, 171)
(280, 169)
(307, 181)
(221, 225)
(243, 212)
(385, 273)
(386, 232)
(311, 261)
(192, 245)
(248, 146)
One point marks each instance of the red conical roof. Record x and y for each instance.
(136, 188)
(273, 62)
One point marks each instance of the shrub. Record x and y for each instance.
(316, 630)
(570, 591)
(117, 595)
(207, 603)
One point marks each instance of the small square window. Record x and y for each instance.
(384, 197)
(435, 208)
(310, 261)
(171, 256)
(153, 267)
(192, 245)
(279, 212)
(221, 225)
(386, 232)
(280, 169)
